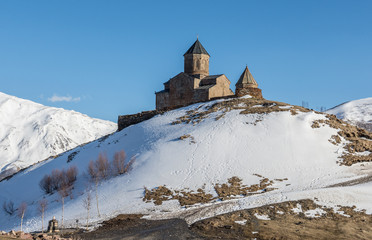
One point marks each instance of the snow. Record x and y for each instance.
(285, 107)
(280, 146)
(336, 210)
(262, 217)
(242, 222)
(297, 209)
(354, 111)
(315, 213)
(31, 132)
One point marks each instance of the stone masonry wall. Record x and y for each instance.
(254, 92)
(127, 120)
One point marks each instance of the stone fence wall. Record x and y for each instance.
(127, 120)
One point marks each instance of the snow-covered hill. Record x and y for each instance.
(357, 112)
(282, 152)
(31, 132)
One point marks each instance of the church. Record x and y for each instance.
(196, 85)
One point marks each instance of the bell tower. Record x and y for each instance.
(247, 85)
(196, 60)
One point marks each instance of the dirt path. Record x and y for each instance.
(128, 227)
(354, 182)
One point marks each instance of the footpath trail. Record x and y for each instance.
(128, 227)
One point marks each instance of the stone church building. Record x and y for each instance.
(196, 85)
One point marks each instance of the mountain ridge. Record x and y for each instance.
(31, 132)
(358, 112)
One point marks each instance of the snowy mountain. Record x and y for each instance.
(215, 157)
(358, 112)
(31, 132)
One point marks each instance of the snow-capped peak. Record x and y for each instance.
(31, 132)
(358, 112)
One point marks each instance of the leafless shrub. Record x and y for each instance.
(119, 165)
(58, 178)
(8, 208)
(95, 177)
(71, 175)
(43, 204)
(21, 212)
(103, 166)
(46, 184)
(119, 162)
(92, 171)
(128, 166)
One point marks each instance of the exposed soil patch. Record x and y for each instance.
(232, 189)
(129, 227)
(186, 136)
(360, 140)
(288, 220)
(184, 197)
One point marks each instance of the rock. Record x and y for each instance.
(13, 233)
(26, 236)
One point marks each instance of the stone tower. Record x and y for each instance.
(247, 85)
(197, 60)
(194, 84)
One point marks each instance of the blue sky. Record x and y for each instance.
(106, 58)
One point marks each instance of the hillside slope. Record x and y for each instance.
(31, 132)
(357, 112)
(280, 152)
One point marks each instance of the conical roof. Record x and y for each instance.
(196, 48)
(246, 79)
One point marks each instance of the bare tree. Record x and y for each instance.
(21, 212)
(87, 202)
(103, 166)
(43, 204)
(95, 177)
(8, 207)
(57, 179)
(64, 192)
(71, 175)
(119, 165)
(119, 162)
(128, 166)
(46, 184)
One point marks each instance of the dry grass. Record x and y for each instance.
(246, 105)
(232, 189)
(284, 223)
(360, 140)
(184, 197)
